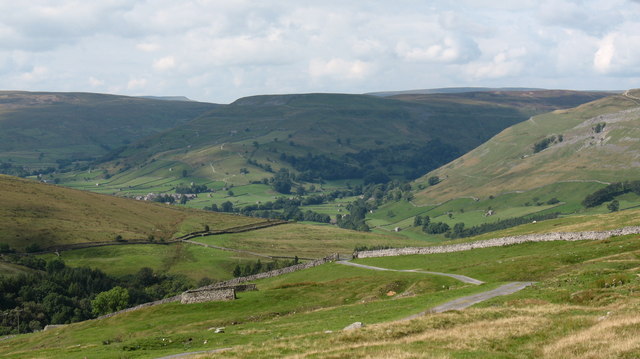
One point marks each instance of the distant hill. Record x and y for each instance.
(597, 141)
(450, 90)
(45, 129)
(320, 134)
(46, 215)
(167, 98)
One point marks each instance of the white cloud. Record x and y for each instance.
(604, 56)
(136, 84)
(618, 53)
(148, 47)
(165, 63)
(504, 64)
(340, 69)
(94, 82)
(217, 50)
(450, 49)
(36, 74)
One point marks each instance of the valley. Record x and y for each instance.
(265, 183)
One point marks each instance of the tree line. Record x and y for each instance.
(54, 293)
(611, 191)
(460, 231)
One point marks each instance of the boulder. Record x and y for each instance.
(356, 325)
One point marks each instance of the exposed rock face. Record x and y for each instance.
(499, 242)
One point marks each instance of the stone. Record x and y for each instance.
(353, 326)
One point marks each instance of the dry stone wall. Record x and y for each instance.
(276, 272)
(208, 295)
(176, 298)
(232, 284)
(499, 242)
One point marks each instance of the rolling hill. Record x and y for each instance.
(49, 129)
(33, 213)
(320, 137)
(595, 142)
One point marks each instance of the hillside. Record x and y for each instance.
(319, 137)
(48, 129)
(594, 142)
(33, 213)
(583, 304)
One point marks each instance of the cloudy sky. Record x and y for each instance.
(220, 50)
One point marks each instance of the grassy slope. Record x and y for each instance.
(289, 315)
(38, 128)
(304, 240)
(584, 306)
(32, 212)
(194, 262)
(507, 161)
(327, 297)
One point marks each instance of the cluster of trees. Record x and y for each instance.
(611, 191)
(164, 198)
(356, 218)
(193, 188)
(599, 127)
(320, 167)
(281, 208)
(57, 294)
(546, 142)
(460, 231)
(9, 168)
(282, 181)
(407, 161)
(258, 267)
(266, 166)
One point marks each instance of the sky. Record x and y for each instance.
(221, 50)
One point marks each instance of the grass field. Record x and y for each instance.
(304, 240)
(191, 261)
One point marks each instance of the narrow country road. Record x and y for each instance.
(462, 278)
(456, 304)
(465, 302)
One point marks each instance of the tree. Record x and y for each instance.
(614, 206)
(434, 180)
(417, 221)
(437, 228)
(227, 207)
(117, 298)
(237, 271)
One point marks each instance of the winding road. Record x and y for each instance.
(462, 278)
(456, 304)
